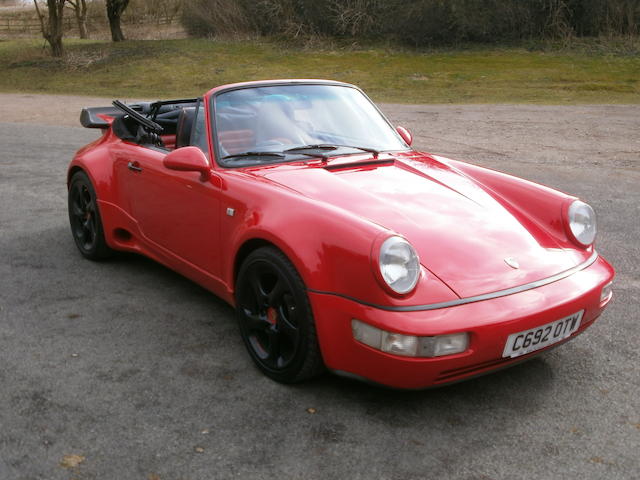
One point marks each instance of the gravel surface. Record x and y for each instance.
(125, 370)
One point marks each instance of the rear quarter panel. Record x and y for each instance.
(96, 161)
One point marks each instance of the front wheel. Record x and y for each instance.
(275, 317)
(84, 218)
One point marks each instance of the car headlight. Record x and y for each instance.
(399, 265)
(582, 222)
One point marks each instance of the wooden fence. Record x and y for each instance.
(28, 26)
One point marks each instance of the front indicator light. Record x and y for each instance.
(409, 345)
(606, 293)
(365, 333)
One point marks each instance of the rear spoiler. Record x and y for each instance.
(93, 117)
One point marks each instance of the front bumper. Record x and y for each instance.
(489, 323)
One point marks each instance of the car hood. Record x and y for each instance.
(462, 233)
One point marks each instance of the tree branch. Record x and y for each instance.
(41, 18)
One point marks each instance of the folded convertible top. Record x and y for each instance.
(91, 117)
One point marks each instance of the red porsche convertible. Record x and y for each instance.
(340, 246)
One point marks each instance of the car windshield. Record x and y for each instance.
(278, 123)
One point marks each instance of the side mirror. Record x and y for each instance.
(405, 134)
(188, 159)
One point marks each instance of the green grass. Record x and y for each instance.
(175, 68)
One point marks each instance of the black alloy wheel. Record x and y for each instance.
(275, 318)
(84, 218)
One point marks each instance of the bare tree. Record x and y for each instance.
(52, 27)
(115, 8)
(80, 9)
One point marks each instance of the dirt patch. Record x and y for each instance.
(585, 135)
(63, 110)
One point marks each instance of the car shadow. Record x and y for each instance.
(498, 403)
(532, 378)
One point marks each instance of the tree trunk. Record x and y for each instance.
(56, 11)
(82, 27)
(52, 28)
(81, 17)
(631, 18)
(80, 11)
(114, 13)
(56, 46)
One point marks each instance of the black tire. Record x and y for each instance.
(275, 317)
(84, 219)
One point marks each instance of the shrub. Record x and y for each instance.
(419, 22)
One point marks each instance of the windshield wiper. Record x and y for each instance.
(254, 154)
(313, 146)
(300, 150)
(329, 146)
(271, 154)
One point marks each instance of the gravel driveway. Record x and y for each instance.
(125, 370)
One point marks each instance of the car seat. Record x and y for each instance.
(185, 126)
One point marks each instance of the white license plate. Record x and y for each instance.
(531, 340)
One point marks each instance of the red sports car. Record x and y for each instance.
(340, 246)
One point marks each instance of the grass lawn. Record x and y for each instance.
(175, 68)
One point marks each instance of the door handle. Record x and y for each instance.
(135, 166)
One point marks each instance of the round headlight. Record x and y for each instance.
(399, 264)
(582, 221)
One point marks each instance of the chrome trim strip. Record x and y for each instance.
(476, 298)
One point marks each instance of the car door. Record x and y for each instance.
(175, 210)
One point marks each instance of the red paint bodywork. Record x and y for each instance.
(329, 218)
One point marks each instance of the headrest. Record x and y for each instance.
(185, 125)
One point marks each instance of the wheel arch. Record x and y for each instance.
(250, 245)
(263, 239)
(72, 171)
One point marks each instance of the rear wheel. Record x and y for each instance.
(84, 218)
(275, 317)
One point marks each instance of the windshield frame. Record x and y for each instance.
(301, 158)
